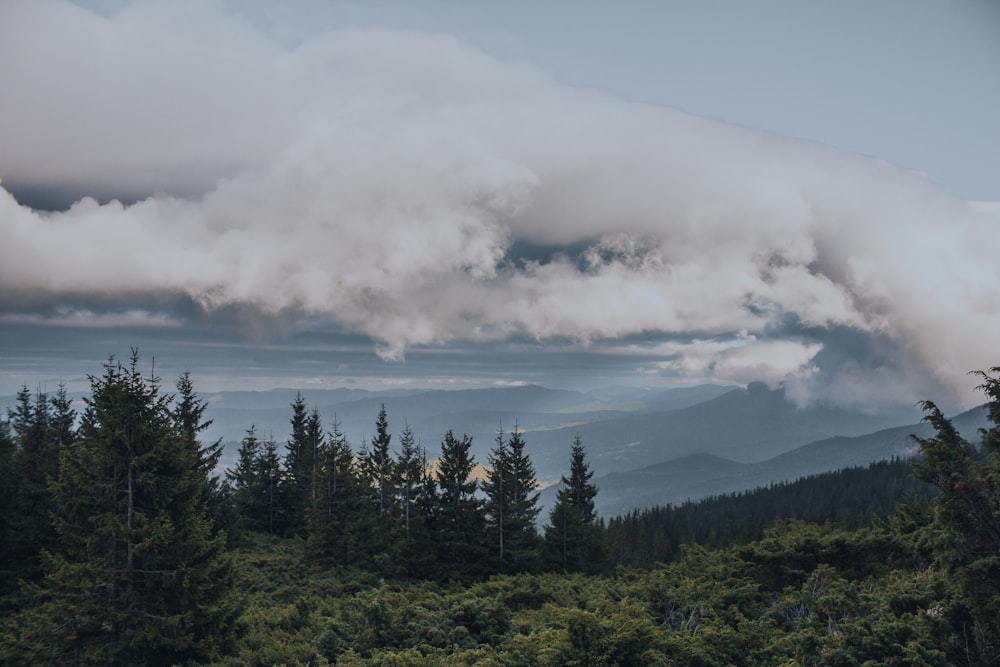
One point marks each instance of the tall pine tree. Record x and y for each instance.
(459, 520)
(300, 457)
(512, 505)
(966, 529)
(138, 577)
(409, 473)
(8, 478)
(377, 466)
(42, 427)
(270, 471)
(573, 539)
(413, 482)
(189, 415)
(521, 551)
(340, 519)
(254, 483)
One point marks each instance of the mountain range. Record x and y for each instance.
(646, 447)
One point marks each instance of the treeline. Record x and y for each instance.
(121, 545)
(114, 532)
(393, 510)
(849, 499)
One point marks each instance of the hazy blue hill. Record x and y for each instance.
(527, 398)
(642, 398)
(623, 429)
(647, 447)
(746, 425)
(833, 453)
(688, 477)
(477, 412)
(273, 398)
(699, 476)
(680, 398)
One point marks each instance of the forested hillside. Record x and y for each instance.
(121, 546)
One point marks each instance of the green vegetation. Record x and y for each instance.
(850, 498)
(322, 556)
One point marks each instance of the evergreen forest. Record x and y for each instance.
(124, 543)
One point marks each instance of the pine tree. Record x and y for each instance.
(300, 457)
(498, 499)
(340, 519)
(408, 476)
(39, 437)
(573, 537)
(420, 558)
(273, 488)
(250, 485)
(512, 504)
(377, 466)
(522, 536)
(188, 413)
(138, 577)
(966, 530)
(459, 520)
(62, 424)
(315, 439)
(8, 479)
(378, 472)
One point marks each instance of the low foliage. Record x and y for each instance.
(804, 594)
(915, 587)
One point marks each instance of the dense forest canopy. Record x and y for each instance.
(123, 545)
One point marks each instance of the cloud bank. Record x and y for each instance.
(382, 179)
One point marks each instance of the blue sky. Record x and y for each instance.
(442, 193)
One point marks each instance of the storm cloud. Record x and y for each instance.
(384, 180)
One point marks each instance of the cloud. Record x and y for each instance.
(380, 179)
(72, 317)
(741, 359)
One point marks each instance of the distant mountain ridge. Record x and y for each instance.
(744, 425)
(645, 446)
(697, 476)
(696, 440)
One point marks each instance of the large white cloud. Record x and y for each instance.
(379, 178)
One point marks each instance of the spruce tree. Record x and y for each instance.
(340, 520)
(249, 483)
(315, 439)
(138, 577)
(408, 476)
(498, 499)
(189, 415)
(62, 424)
(188, 412)
(8, 478)
(41, 426)
(273, 488)
(421, 559)
(573, 539)
(459, 521)
(377, 466)
(522, 536)
(300, 456)
(966, 529)
(415, 497)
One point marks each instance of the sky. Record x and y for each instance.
(458, 194)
